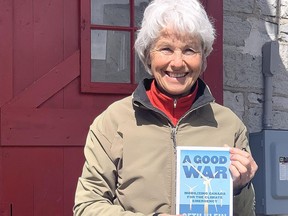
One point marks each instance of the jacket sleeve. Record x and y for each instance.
(244, 203)
(96, 187)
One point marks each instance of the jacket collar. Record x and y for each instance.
(140, 98)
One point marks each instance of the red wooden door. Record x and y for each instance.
(43, 114)
(214, 72)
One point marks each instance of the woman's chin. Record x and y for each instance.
(179, 91)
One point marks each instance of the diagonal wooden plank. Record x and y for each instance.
(48, 85)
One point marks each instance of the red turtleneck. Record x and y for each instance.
(173, 108)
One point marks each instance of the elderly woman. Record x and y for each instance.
(130, 148)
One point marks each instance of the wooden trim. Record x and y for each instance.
(113, 28)
(48, 85)
(102, 87)
(6, 51)
(85, 36)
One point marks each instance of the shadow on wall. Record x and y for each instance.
(248, 26)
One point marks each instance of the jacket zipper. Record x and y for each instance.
(173, 137)
(175, 103)
(174, 165)
(174, 161)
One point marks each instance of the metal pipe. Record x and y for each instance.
(270, 64)
(268, 90)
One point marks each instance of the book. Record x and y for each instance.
(204, 185)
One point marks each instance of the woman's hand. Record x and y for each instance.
(242, 168)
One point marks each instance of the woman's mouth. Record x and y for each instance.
(176, 75)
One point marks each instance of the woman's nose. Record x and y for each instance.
(177, 59)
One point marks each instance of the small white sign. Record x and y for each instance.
(283, 169)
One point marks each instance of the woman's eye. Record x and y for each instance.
(166, 51)
(189, 51)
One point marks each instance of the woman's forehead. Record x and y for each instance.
(170, 35)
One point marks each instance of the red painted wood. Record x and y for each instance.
(73, 163)
(23, 44)
(56, 101)
(74, 99)
(108, 88)
(46, 127)
(48, 35)
(5, 209)
(38, 175)
(48, 84)
(17, 175)
(48, 181)
(6, 51)
(40, 181)
(71, 18)
(214, 72)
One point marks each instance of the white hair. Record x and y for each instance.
(184, 16)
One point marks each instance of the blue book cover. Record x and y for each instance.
(204, 183)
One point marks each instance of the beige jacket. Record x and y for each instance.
(130, 155)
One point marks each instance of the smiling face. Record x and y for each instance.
(176, 62)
